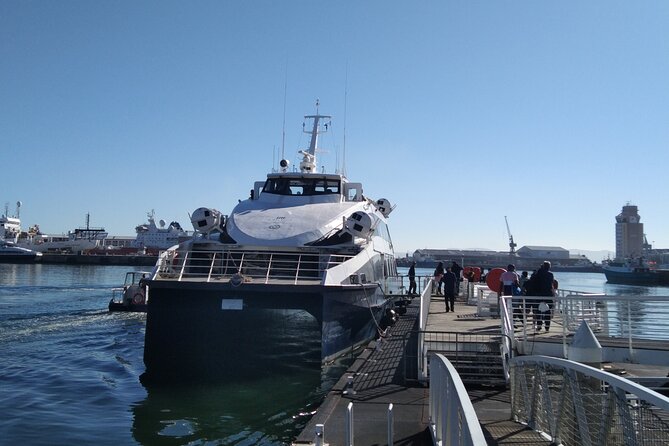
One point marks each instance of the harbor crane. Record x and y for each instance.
(512, 244)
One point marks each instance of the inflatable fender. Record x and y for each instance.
(492, 279)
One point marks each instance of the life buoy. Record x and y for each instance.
(492, 279)
(236, 280)
(476, 270)
(138, 299)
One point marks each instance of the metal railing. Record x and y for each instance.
(258, 266)
(477, 357)
(453, 420)
(631, 320)
(573, 403)
(425, 300)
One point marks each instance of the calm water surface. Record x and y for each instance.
(70, 371)
(70, 374)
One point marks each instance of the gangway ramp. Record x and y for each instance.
(378, 380)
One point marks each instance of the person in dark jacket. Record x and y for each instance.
(412, 279)
(450, 282)
(542, 285)
(457, 270)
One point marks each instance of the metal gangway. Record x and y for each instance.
(567, 402)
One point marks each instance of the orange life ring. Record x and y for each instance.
(492, 279)
(476, 270)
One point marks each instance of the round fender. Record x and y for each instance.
(138, 299)
(492, 279)
(236, 280)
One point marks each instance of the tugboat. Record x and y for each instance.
(631, 272)
(305, 242)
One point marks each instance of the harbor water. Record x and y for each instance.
(70, 373)
(70, 370)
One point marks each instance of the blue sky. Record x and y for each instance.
(555, 114)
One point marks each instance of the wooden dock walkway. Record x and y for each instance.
(379, 380)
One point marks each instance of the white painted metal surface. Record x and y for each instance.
(453, 420)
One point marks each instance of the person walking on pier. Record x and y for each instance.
(543, 285)
(436, 280)
(509, 282)
(450, 282)
(412, 280)
(457, 270)
(523, 280)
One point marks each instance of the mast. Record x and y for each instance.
(308, 164)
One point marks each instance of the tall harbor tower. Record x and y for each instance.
(629, 233)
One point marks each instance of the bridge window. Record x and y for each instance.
(301, 186)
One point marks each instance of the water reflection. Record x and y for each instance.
(252, 392)
(266, 410)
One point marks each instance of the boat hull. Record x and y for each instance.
(632, 278)
(18, 258)
(128, 308)
(205, 330)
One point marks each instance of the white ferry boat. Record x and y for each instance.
(152, 237)
(77, 241)
(10, 226)
(304, 242)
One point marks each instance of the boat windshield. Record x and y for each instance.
(301, 186)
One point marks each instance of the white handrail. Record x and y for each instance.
(453, 420)
(633, 319)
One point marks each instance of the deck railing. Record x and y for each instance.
(574, 403)
(258, 266)
(633, 320)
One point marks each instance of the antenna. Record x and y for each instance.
(283, 130)
(343, 161)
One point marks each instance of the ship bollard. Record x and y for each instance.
(390, 424)
(349, 425)
(320, 435)
(349, 390)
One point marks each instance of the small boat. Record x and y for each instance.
(307, 248)
(133, 296)
(10, 253)
(631, 272)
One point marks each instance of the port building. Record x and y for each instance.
(629, 233)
